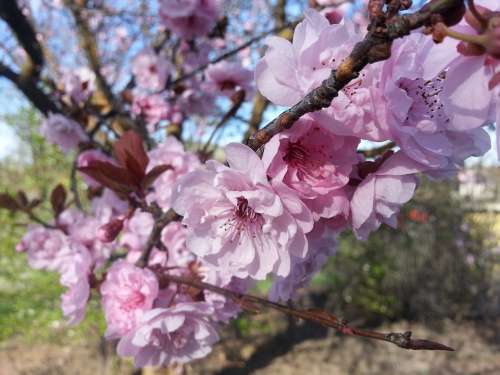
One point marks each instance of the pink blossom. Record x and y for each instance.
(84, 160)
(63, 132)
(174, 237)
(79, 84)
(174, 335)
(75, 270)
(127, 294)
(135, 233)
(315, 163)
(43, 247)
(422, 124)
(322, 244)
(195, 100)
(226, 78)
(170, 152)
(189, 18)
(151, 70)
(237, 221)
(153, 108)
(288, 71)
(194, 56)
(381, 191)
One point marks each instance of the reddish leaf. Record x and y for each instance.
(34, 203)
(109, 175)
(8, 203)
(153, 174)
(134, 168)
(58, 199)
(130, 143)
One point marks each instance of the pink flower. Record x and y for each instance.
(173, 335)
(174, 237)
(288, 71)
(151, 70)
(43, 247)
(79, 84)
(322, 244)
(170, 152)
(189, 18)
(63, 132)
(153, 108)
(227, 78)
(84, 160)
(237, 221)
(127, 294)
(135, 233)
(315, 163)
(470, 94)
(383, 187)
(422, 124)
(75, 270)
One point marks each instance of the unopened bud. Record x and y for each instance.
(108, 232)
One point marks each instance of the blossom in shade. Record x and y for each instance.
(382, 187)
(322, 244)
(226, 78)
(150, 70)
(63, 132)
(173, 335)
(237, 221)
(75, 270)
(189, 18)
(315, 163)
(127, 294)
(170, 152)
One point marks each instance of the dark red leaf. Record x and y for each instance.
(8, 203)
(109, 175)
(134, 168)
(58, 199)
(130, 143)
(153, 174)
(34, 203)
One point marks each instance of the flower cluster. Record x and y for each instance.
(273, 215)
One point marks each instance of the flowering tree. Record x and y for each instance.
(172, 239)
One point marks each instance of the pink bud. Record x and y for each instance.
(108, 232)
(334, 17)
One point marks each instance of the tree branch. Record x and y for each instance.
(30, 89)
(25, 34)
(376, 46)
(252, 303)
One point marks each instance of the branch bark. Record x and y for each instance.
(376, 46)
(253, 303)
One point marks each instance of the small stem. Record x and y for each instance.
(478, 16)
(250, 302)
(474, 39)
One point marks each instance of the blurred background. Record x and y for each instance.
(438, 275)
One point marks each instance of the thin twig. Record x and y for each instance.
(251, 302)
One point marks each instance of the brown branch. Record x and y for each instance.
(26, 36)
(250, 302)
(376, 46)
(238, 99)
(89, 47)
(161, 220)
(28, 86)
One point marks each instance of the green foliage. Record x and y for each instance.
(30, 299)
(435, 266)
